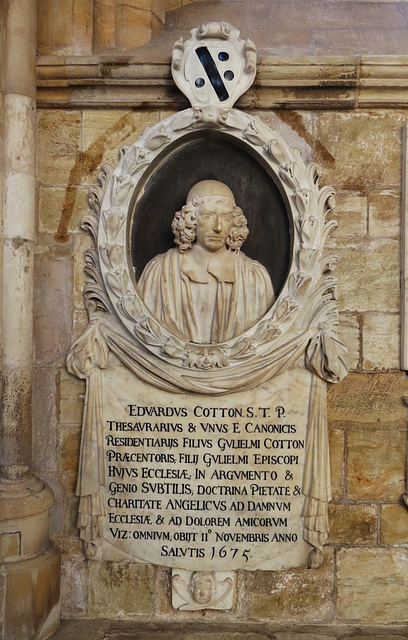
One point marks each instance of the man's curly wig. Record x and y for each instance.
(185, 222)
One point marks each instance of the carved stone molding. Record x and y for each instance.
(286, 83)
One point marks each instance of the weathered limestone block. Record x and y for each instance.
(82, 242)
(375, 464)
(58, 147)
(227, 635)
(69, 440)
(352, 524)
(71, 395)
(52, 304)
(65, 27)
(123, 25)
(31, 596)
(366, 148)
(368, 261)
(120, 589)
(381, 349)
(45, 419)
(296, 127)
(138, 22)
(18, 260)
(61, 206)
(384, 209)
(15, 436)
(349, 333)
(106, 131)
(297, 594)
(19, 58)
(104, 25)
(19, 128)
(372, 585)
(394, 524)
(336, 441)
(74, 580)
(368, 400)
(350, 213)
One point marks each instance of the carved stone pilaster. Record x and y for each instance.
(29, 566)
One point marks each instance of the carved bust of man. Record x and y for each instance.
(206, 289)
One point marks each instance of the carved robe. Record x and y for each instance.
(207, 297)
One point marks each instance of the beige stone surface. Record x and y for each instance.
(358, 144)
(82, 242)
(296, 127)
(71, 398)
(121, 630)
(104, 132)
(79, 323)
(20, 49)
(350, 212)
(69, 440)
(34, 582)
(381, 573)
(394, 524)
(83, 27)
(65, 27)
(45, 419)
(74, 582)
(227, 635)
(117, 590)
(10, 546)
(19, 132)
(384, 209)
(349, 334)
(62, 210)
(381, 348)
(52, 304)
(55, 27)
(352, 524)
(104, 25)
(295, 595)
(19, 195)
(17, 294)
(58, 147)
(336, 443)
(375, 464)
(368, 400)
(368, 261)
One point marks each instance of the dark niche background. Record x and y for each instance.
(213, 158)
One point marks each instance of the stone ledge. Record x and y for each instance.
(77, 629)
(308, 82)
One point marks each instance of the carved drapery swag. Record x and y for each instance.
(303, 320)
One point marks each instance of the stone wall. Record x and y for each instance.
(86, 27)
(365, 573)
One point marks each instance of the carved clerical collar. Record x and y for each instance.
(198, 263)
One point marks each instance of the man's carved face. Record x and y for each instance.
(214, 219)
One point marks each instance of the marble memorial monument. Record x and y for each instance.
(204, 441)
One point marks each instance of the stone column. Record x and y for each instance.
(29, 569)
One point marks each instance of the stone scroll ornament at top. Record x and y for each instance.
(159, 328)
